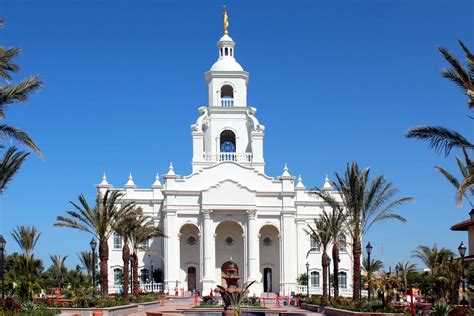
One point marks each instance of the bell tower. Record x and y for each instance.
(227, 129)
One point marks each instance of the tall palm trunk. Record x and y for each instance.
(136, 285)
(335, 260)
(126, 267)
(325, 277)
(104, 258)
(356, 253)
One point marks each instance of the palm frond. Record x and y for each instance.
(439, 138)
(20, 136)
(7, 66)
(20, 92)
(10, 164)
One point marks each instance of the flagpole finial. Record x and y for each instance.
(226, 22)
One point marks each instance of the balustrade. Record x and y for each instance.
(224, 156)
(227, 102)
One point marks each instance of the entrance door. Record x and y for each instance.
(267, 280)
(191, 278)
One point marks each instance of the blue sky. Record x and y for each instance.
(332, 81)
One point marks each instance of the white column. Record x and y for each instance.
(171, 244)
(289, 259)
(208, 247)
(252, 237)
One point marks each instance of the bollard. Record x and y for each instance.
(162, 300)
(263, 300)
(278, 301)
(195, 300)
(182, 291)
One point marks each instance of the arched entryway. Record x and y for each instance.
(229, 248)
(224, 271)
(270, 258)
(189, 257)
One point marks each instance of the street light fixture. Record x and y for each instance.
(307, 280)
(368, 248)
(462, 253)
(93, 245)
(3, 242)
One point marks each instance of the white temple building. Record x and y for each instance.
(228, 210)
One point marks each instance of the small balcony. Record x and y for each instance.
(227, 156)
(227, 102)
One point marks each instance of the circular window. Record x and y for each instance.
(267, 241)
(191, 240)
(229, 241)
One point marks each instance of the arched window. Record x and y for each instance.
(314, 281)
(342, 242)
(117, 241)
(227, 144)
(117, 276)
(342, 280)
(315, 244)
(227, 95)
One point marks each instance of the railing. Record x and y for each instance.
(313, 290)
(227, 102)
(145, 287)
(239, 157)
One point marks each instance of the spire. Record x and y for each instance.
(157, 182)
(327, 185)
(130, 183)
(171, 170)
(300, 184)
(104, 180)
(226, 22)
(285, 171)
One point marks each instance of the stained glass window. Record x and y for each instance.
(267, 241)
(191, 240)
(229, 241)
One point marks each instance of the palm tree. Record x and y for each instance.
(443, 139)
(26, 237)
(366, 203)
(125, 227)
(98, 221)
(371, 268)
(404, 269)
(321, 233)
(58, 264)
(85, 257)
(434, 258)
(143, 230)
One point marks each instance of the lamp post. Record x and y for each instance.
(3, 242)
(368, 248)
(93, 245)
(152, 275)
(329, 278)
(462, 253)
(307, 280)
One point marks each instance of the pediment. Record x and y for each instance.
(228, 194)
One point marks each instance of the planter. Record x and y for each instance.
(312, 308)
(331, 311)
(97, 313)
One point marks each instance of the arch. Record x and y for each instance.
(189, 254)
(227, 91)
(227, 141)
(270, 224)
(269, 257)
(226, 251)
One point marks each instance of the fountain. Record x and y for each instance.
(232, 295)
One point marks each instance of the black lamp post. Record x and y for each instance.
(152, 275)
(329, 278)
(307, 280)
(93, 245)
(3, 242)
(368, 248)
(462, 253)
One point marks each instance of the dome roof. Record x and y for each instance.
(226, 64)
(226, 38)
